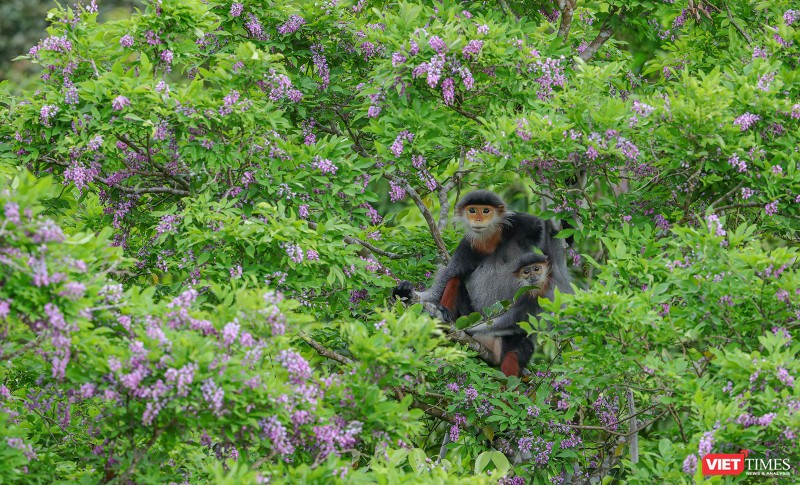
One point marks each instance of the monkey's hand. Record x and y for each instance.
(404, 292)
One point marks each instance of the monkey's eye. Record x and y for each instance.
(526, 271)
(486, 210)
(537, 268)
(471, 210)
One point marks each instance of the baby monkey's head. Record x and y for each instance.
(533, 270)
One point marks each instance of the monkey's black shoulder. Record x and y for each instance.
(523, 227)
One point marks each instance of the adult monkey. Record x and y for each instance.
(479, 273)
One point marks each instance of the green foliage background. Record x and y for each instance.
(206, 204)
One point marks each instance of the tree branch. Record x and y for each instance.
(428, 409)
(325, 352)
(738, 206)
(605, 33)
(737, 26)
(369, 246)
(151, 190)
(445, 188)
(441, 248)
(567, 8)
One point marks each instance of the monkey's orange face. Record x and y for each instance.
(481, 217)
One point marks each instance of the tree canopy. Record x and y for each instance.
(206, 205)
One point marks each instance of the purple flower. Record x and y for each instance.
(765, 81)
(295, 364)
(473, 48)
(791, 16)
(48, 231)
(126, 41)
(771, 208)
(706, 444)
(483, 29)
(398, 58)
(292, 25)
(715, 225)
(73, 290)
(471, 393)
(745, 121)
(5, 308)
(168, 224)
(448, 91)
(740, 165)
(253, 26)
(785, 378)
(120, 102)
(229, 333)
(166, 56)
(396, 192)
(312, 255)
(47, 112)
(236, 9)
(437, 44)
(295, 253)
(213, 394)
(325, 166)
(690, 464)
(454, 433)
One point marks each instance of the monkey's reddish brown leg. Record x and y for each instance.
(450, 293)
(510, 365)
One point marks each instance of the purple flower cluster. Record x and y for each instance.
(791, 16)
(551, 74)
(785, 378)
(80, 174)
(236, 9)
(449, 91)
(126, 41)
(26, 449)
(280, 86)
(771, 208)
(473, 48)
(737, 163)
(298, 367)
(325, 166)
(715, 225)
(254, 28)
(690, 464)
(322, 65)
(437, 44)
(47, 113)
(214, 395)
(398, 145)
(292, 25)
(168, 224)
(745, 121)
(747, 420)
(396, 192)
(120, 102)
(295, 252)
(706, 444)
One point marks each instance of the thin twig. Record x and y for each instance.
(445, 188)
(441, 247)
(372, 248)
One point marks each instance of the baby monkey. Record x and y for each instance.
(510, 346)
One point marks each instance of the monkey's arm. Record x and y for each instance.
(447, 280)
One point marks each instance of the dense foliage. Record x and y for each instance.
(204, 207)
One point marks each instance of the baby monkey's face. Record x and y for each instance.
(534, 274)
